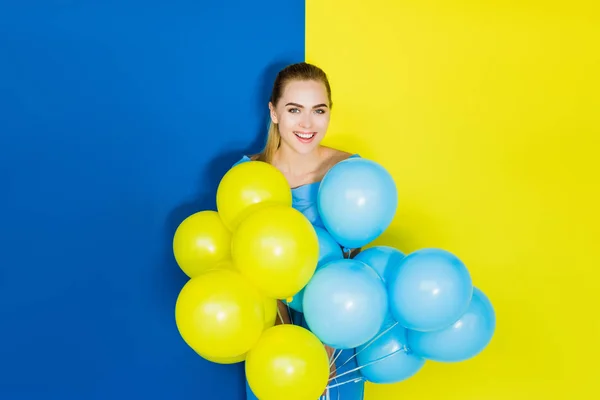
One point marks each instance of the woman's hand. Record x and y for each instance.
(351, 253)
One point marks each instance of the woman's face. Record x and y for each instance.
(302, 115)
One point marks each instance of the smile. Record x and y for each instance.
(305, 136)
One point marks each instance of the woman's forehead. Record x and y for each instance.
(307, 93)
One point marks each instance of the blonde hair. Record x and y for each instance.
(295, 72)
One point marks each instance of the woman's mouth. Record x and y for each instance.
(305, 137)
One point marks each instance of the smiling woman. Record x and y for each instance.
(300, 109)
(299, 106)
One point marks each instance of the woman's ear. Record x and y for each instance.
(273, 113)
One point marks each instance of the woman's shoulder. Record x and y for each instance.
(333, 156)
(246, 158)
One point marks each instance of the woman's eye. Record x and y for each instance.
(293, 110)
(320, 111)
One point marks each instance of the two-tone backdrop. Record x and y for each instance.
(118, 118)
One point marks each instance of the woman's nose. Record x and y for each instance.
(305, 122)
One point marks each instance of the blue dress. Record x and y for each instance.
(304, 199)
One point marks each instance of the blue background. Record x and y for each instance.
(117, 121)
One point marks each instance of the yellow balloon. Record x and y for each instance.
(247, 185)
(277, 249)
(220, 314)
(270, 307)
(269, 304)
(270, 311)
(200, 242)
(226, 264)
(288, 362)
(224, 360)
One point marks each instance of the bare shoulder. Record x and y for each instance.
(333, 156)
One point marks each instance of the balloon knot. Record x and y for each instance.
(289, 299)
(346, 252)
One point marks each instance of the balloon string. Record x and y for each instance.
(332, 361)
(370, 343)
(279, 314)
(327, 395)
(355, 380)
(289, 313)
(403, 349)
(331, 357)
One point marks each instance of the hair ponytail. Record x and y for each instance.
(273, 142)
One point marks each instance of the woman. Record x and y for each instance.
(300, 109)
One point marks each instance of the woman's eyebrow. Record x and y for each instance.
(301, 106)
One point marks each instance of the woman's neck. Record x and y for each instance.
(293, 163)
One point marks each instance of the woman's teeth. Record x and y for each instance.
(304, 135)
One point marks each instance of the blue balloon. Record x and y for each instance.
(464, 339)
(393, 368)
(429, 290)
(381, 258)
(388, 320)
(357, 201)
(345, 303)
(329, 250)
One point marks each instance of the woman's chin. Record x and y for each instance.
(304, 146)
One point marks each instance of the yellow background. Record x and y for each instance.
(487, 115)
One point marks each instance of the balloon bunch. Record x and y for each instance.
(395, 310)
(242, 258)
